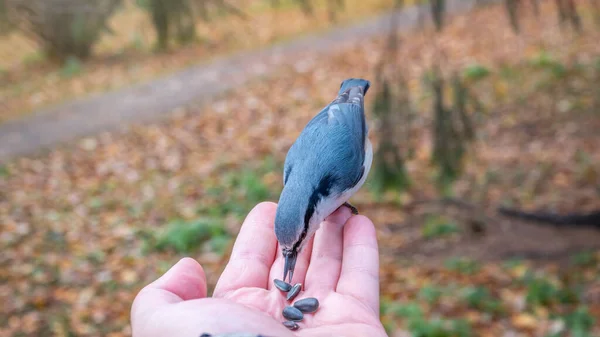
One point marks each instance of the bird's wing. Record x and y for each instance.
(332, 143)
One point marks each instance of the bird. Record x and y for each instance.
(327, 164)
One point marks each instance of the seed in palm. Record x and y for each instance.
(291, 325)
(292, 314)
(294, 291)
(282, 285)
(307, 305)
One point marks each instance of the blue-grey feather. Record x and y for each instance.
(330, 145)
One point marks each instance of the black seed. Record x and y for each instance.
(292, 314)
(294, 291)
(291, 325)
(282, 285)
(307, 305)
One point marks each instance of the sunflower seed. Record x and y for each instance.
(294, 291)
(282, 285)
(307, 305)
(291, 325)
(293, 314)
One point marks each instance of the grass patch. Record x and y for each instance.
(475, 72)
(405, 310)
(234, 194)
(137, 41)
(439, 327)
(71, 68)
(480, 298)
(436, 227)
(186, 236)
(33, 58)
(512, 263)
(430, 294)
(420, 326)
(462, 265)
(546, 61)
(508, 72)
(584, 259)
(240, 190)
(580, 322)
(4, 172)
(252, 187)
(540, 292)
(219, 243)
(543, 292)
(97, 257)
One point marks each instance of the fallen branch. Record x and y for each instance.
(572, 219)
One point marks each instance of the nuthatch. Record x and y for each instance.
(324, 167)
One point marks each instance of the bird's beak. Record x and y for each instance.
(290, 263)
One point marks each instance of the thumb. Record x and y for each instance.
(184, 281)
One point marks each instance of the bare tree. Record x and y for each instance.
(178, 18)
(63, 28)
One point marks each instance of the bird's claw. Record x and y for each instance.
(352, 208)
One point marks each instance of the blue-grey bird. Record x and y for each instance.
(324, 167)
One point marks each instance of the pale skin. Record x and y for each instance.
(339, 266)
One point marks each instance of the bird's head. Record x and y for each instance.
(302, 206)
(294, 224)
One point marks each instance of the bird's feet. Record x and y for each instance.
(352, 208)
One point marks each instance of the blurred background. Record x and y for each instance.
(478, 110)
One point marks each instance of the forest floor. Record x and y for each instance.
(87, 224)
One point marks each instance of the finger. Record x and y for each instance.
(253, 252)
(184, 281)
(326, 260)
(302, 262)
(360, 265)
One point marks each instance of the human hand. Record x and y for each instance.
(340, 267)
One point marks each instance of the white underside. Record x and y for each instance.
(329, 205)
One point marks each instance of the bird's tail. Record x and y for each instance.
(354, 82)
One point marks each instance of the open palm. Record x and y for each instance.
(339, 267)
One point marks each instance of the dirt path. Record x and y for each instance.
(153, 100)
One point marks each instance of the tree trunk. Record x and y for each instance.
(307, 7)
(438, 7)
(562, 11)
(573, 15)
(160, 18)
(595, 4)
(536, 7)
(513, 11)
